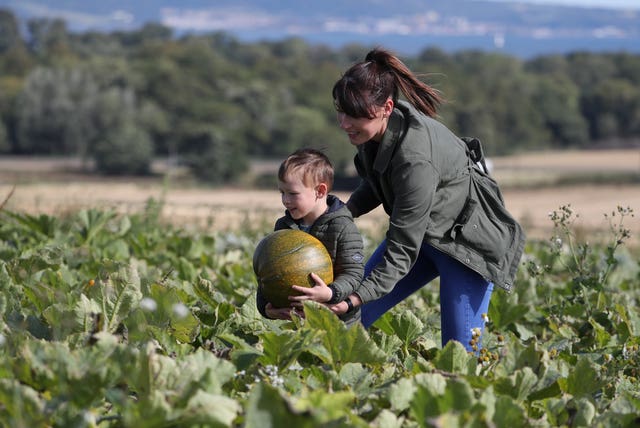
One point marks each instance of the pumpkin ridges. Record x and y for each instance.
(287, 257)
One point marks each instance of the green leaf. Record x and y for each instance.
(284, 348)
(601, 335)
(428, 402)
(508, 413)
(519, 385)
(211, 410)
(400, 394)
(387, 419)
(21, 404)
(243, 354)
(343, 344)
(325, 406)
(358, 378)
(407, 327)
(267, 408)
(585, 411)
(583, 379)
(504, 310)
(454, 358)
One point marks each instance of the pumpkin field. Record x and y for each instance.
(120, 318)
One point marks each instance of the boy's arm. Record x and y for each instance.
(349, 263)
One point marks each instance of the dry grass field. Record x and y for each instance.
(529, 182)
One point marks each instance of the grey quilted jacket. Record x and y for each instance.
(340, 235)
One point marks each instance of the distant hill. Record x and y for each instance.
(407, 26)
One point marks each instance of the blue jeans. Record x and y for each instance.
(464, 294)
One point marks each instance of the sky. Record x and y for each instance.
(618, 4)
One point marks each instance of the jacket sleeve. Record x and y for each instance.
(348, 265)
(261, 302)
(364, 198)
(414, 181)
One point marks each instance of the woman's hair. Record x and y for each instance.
(368, 84)
(313, 166)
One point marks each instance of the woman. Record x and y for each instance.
(442, 222)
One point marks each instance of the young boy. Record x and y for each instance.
(305, 180)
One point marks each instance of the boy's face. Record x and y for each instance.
(301, 201)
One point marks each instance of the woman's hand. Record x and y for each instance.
(341, 308)
(318, 293)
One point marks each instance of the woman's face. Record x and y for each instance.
(362, 129)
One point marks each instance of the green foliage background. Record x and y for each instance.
(123, 321)
(210, 101)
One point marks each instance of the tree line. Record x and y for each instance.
(210, 102)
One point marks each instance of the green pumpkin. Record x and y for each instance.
(287, 257)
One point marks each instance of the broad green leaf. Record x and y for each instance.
(359, 379)
(518, 386)
(454, 358)
(21, 404)
(457, 396)
(325, 406)
(400, 394)
(407, 327)
(585, 412)
(266, 408)
(344, 344)
(205, 291)
(601, 335)
(508, 413)
(211, 410)
(630, 318)
(583, 379)
(387, 419)
(118, 295)
(282, 349)
(243, 354)
(504, 310)
(92, 222)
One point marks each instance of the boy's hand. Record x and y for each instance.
(318, 293)
(278, 313)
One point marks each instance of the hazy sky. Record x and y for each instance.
(630, 4)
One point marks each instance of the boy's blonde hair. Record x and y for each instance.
(313, 166)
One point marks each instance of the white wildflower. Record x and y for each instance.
(296, 367)
(180, 310)
(485, 317)
(277, 381)
(148, 304)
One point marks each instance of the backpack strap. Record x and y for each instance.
(474, 150)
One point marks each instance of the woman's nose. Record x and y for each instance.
(343, 121)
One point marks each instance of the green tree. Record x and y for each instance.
(126, 149)
(558, 101)
(9, 31)
(612, 108)
(4, 141)
(54, 111)
(212, 157)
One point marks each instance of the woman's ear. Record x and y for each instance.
(388, 107)
(321, 190)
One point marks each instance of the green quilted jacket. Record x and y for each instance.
(433, 192)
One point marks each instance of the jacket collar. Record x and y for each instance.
(391, 138)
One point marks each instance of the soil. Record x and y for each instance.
(59, 186)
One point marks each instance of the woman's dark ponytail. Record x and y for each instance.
(422, 96)
(368, 84)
